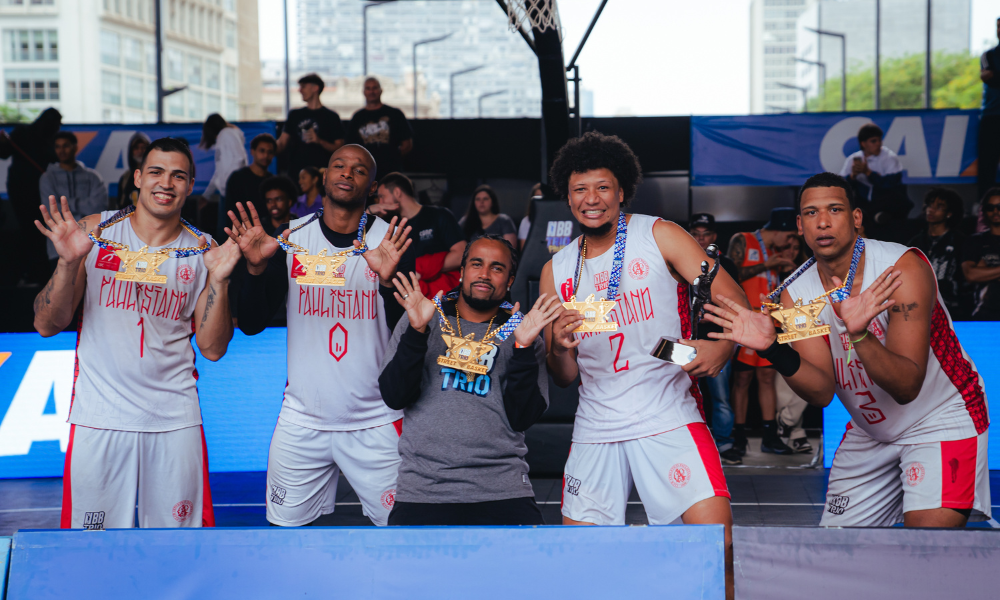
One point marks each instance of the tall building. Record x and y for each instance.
(331, 42)
(773, 47)
(95, 60)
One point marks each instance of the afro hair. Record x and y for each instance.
(594, 150)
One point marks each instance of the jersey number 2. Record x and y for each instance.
(618, 352)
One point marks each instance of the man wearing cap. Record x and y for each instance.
(702, 229)
(758, 260)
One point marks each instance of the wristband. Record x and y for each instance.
(860, 338)
(517, 345)
(783, 357)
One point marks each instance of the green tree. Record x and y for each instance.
(954, 81)
(10, 114)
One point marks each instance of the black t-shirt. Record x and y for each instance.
(300, 154)
(244, 186)
(986, 247)
(381, 131)
(945, 254)
(434, 230)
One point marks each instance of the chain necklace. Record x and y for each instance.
(322, 268)
(838, 294)
(464, 353)
(595, 311)
(501, 333)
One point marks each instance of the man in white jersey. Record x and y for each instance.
(332, 418)
(639, 418)
(915, 448)
(136, 432)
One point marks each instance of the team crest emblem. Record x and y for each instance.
(638, 268)
(185, 274)
(320, 269)
(183, 510)
(915, 474)
(595, 314)
(679, 475)
(464, 354)
(388, 499)
(141, 266)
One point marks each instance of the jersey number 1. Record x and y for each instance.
(618, 352)
(142, 335)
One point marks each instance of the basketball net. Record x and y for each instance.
(539, 14)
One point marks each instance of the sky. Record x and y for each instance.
(657, 57)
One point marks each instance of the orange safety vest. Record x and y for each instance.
(761, 283)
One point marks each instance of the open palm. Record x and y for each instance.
(746, 327)
(419, 310)
(220, 260)
(541, 314)
(254, 243)
(384, 258)
(858, 311)
(67, 236)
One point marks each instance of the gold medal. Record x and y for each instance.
(141, 266)
(595, 314)
(464, 353)
(321, 269)
(801, 321)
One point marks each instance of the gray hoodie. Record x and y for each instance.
(83, 187)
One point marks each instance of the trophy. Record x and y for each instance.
(668, 348)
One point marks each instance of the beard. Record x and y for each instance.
(598, 231)
(481, 304)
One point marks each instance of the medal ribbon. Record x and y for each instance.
(838, 294)
(771, 279)
(501, 333)
(288, 246)
(127, 212)
(616, 265)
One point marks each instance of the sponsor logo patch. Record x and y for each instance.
(389, 498)
(572, 485)
(638, 268)
(601, 281)
(837, 505)
(566, 289)
(278, 495)
(298, 269)
(915, 474)
(182, 510)
(107, 259)
(426, 235)
(93, 520)
(680, 475)
(185, 274)
(753, 255)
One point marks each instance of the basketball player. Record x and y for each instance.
(915, 448)
(639, 418)
(332, 418)
(136, 423)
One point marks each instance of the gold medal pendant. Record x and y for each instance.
(141, 266)
(595, 314)
(464, 354)
(321, 269)
(801, 321)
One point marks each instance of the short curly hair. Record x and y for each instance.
(594, 150)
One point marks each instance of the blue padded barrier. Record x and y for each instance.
(4, 563)
(369, 563)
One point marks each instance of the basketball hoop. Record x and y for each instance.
(539, 14)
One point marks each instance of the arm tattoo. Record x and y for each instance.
(737, 252)
(208, 304)
(905, 309)
(44, 297)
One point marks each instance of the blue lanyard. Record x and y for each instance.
(616, 265)
(505, 330)
(839, 295)
(173, 252)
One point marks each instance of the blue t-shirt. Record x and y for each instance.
(991, 89)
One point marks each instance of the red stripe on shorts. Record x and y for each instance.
(709, 458)
(958, 473)
(66, 518)
(207, 511)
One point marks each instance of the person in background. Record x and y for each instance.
(435, 255)
(312, 133)
(69, 178)
(244, 184)
(127, 192)
(989, 121)
(790, 407)
(702, 229)
(876, 174)
(981, 261)
(382, 129)
(31, 149)
(277, 193)
(228, 142)
(758, 257)
(484, 217)
(311, 199)
(525, 226)
(942, 243)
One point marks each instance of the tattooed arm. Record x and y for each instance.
(56, 303)
(214, 326)
(738, 251)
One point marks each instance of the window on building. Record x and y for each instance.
(150, 58)
(133, 92)
(111, 88)
(229, 5)
(133, 54)
(112, 115)
(194, 70)
(23, 85)
(211, 74)
(110, 48)
(231, 80)
(175, 64)
(213, 104)
(175, 104)
(230, 34)
(151, 95)
(54, 89)
(23, 45)
(232, 110)
(194, 105)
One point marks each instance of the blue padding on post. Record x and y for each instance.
(4, 563)
(681, 561)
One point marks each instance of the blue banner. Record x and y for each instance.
(104, 148)
(935, 146)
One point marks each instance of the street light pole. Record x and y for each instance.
(878, 54)
(804, 90)
(421, 43)
(822, 70)
(927, 61)
(487, 95)
(451, 88)
(288, 75)
(364, 34)
(843, 64)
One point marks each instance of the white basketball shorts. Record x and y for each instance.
(873, 483)
(108, 472)
(303, 466)
(672, 471)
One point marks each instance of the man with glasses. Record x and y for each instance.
(981, 261)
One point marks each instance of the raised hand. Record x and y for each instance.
(220, 260)
(541, 314)
(419, 309)
(67, 235)
(749, 328)
(384, 258)
(858, 311)
(254, 243)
